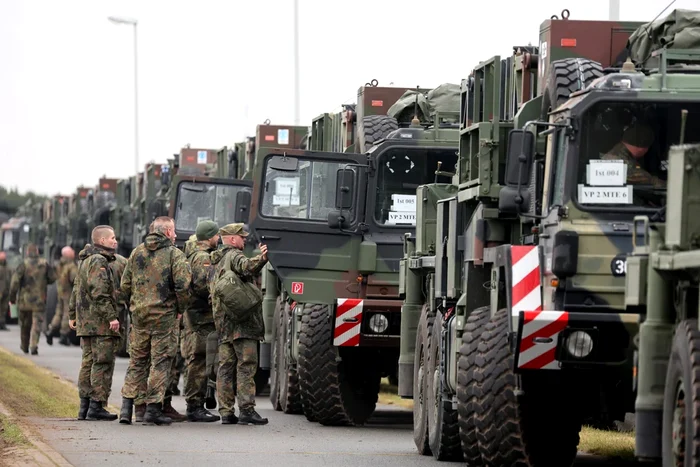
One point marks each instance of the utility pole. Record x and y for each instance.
(296, 63)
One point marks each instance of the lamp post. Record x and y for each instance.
(296, 62)
(133, 22)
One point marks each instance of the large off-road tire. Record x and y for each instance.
(420, 384)
(538, 428)
(443, 426)
(374, 128)
(303, 377)
(340, 386)
(566, 77)
(466, 381)
(275, 358)
(680, 439)
(290, 398)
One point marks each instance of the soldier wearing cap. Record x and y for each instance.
(238, 342)
(636, 141)
(198, 321)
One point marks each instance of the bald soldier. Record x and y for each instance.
(156, 284)
(94, 315)
(28, 290)
(4, 290)
(68, 271)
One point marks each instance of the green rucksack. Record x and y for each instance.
(236, 298)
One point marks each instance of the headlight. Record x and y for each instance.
(579, 344)
(378, 323)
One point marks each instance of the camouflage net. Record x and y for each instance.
(444, 98)
(679, 30)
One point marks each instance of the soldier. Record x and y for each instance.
(94, 315)
(67, 272)
(156, 285)
(199, 321)
(4, 289)
(238, 342)
(28, 290)
(636, 141)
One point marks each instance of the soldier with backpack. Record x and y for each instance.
(237, 308)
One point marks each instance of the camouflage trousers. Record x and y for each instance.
(60, 318)
(97, 367)
(238, 360)
(194, 351)
(4, 309)
(178, 366)
(151, 356)
(30, 324)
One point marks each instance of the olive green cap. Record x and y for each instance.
(206, 230)
(233, 229)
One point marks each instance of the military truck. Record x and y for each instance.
(14, 237)
(78, 234)
(333, 218)
(516, 274)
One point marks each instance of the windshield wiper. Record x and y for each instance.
(196, 188)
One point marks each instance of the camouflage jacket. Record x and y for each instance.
(156, 283)
(93, 300)
(67, 273)
(29, 282)
(636, 175)
(4, 282)
(198, 255)
(247, 269)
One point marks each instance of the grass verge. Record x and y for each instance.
(612, 444)
(10, 434)
(29, 390)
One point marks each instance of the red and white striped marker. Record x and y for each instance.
(545, 326)
(348, 318)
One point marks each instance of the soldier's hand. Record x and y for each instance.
(263, 251)
(71, 324)
(114, 325)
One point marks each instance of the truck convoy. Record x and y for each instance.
(505, 250)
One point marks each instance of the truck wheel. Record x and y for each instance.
(341, 391)
(443, 426)
(566, 77)
(373, 128)
(466, 380)
(275, 359)
(305, 393)
(290, 398)
(538, 427)
(420, 386)
(681, 416)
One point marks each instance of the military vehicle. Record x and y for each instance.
(78, 234)
(516, 274)
(14, 237)
(333, 218)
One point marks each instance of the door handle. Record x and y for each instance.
(269, 237)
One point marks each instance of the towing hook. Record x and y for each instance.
(374, 83)
(565, 13)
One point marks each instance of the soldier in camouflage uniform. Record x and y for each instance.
(238, 342)
(156, 284)
(67, 272)
(636, 141)
(28, 290)
(199, 321)
(4, 290)
(94, 315)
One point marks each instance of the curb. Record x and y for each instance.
(40, 452)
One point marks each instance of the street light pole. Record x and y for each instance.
(134, 23)
(296, 62)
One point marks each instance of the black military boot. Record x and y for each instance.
(127, 411)
(210, 400)
(83, 410)
(197, 413)
(229, 419)
(139, 411)
(3, 327)
(35, 351)
(154, 415)
(97, 412)
(251, 417)
(49, 339)
(64, 340)
(169, 411)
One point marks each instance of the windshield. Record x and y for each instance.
(623, 158)
(307, 193)
(103, 198)
(198, 202)
(399, 172)
(9, 238)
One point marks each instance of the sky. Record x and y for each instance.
(210, 71)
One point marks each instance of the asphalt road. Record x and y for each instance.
(288, 440)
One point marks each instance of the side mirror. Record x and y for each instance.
(344, 188)
(243, 199)
(283, 163)
(515, 196)
(336, 220)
